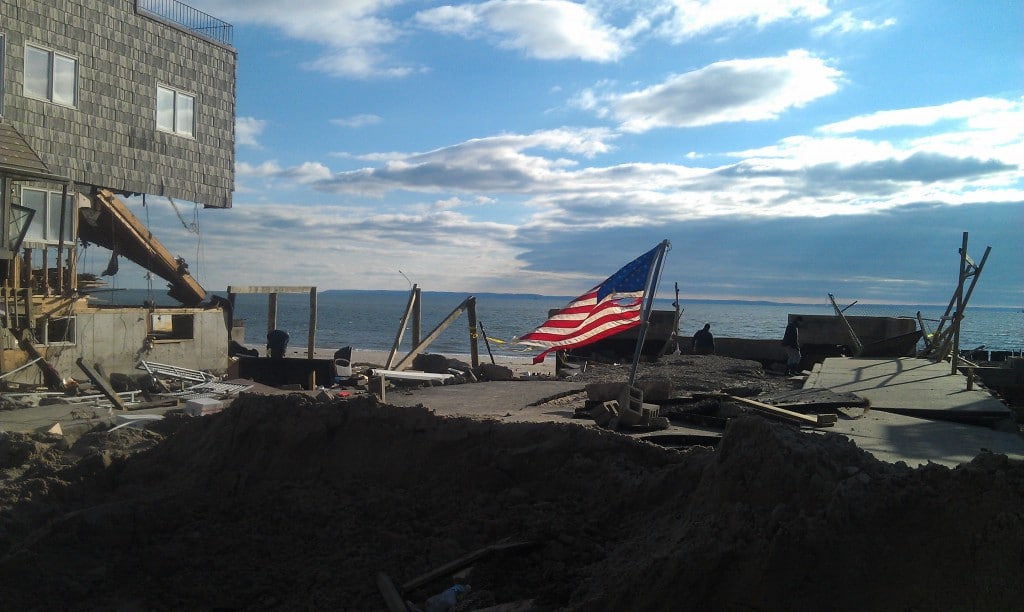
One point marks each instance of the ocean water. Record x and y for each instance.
(369, 320)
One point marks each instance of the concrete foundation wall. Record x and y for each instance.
(828, 329)
(116, 340)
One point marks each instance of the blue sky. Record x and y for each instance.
(787, 149)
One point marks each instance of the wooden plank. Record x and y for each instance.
(312, 325)
(434, 334)
(411, 375)
(271, 313)
(474, 346)
(817, 420)
(392, 598)
(51, 376)
(101, 384)
(413, 297)
(269, 289)
(462, 562)
(166, 264)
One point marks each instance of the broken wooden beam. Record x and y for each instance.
(462, 562)
(51, 377)
(815, 420)
(392, 598)
(102, 384)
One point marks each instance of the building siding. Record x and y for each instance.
(110, 138)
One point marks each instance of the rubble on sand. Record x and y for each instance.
(290, 502)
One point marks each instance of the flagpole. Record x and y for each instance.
(653, 277)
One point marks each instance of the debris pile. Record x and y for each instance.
(291, 502)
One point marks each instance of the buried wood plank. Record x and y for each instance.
(817, 420)
(462, 562)
(392, 598)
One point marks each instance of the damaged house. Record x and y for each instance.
(99, 102)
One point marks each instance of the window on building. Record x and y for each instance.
(55, 330)
(45, 226)
(50, 76)
(171, 327)
(175, 111)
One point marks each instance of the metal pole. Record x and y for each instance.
(653, 276)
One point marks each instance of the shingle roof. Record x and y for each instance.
(17, 159)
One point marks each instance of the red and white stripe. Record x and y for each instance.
(585, 320)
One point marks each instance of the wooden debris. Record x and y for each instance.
(815, 420)
(463, 562)
(392, 598)
(102, 384)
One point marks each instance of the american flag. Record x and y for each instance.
(609, 308)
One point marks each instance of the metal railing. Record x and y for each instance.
(192, 19)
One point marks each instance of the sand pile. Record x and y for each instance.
(285, 502)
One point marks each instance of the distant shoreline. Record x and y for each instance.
(162, 298)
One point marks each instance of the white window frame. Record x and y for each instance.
(180, 117)
(58, 89)
(48, 219)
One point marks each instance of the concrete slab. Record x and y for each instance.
(509, 401)
(518, 402)
(900, 391)
(907, 385)
(893, 438)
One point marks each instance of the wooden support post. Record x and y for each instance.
(418, 348)
(60, 238)
(417, 316)
(28, 289)
(72, 277)
(271, 312)
(46, 271)
(413, 300)
(474, 336)
(959, 306)
(858, 348)
(312, 322)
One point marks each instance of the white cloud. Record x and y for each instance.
(549, 183)
(303, 173)
(425, 245)
(925, 115)
(691, 18)
(845, 23)
(727, 91)
(248, 131)
(266, 169)
(548, 29)
(497, 163)
(357, 121)
(354, 32)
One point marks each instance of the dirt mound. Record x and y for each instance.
(285, 502)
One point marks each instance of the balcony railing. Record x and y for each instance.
(187, 17)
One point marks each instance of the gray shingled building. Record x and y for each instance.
(100, 100)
